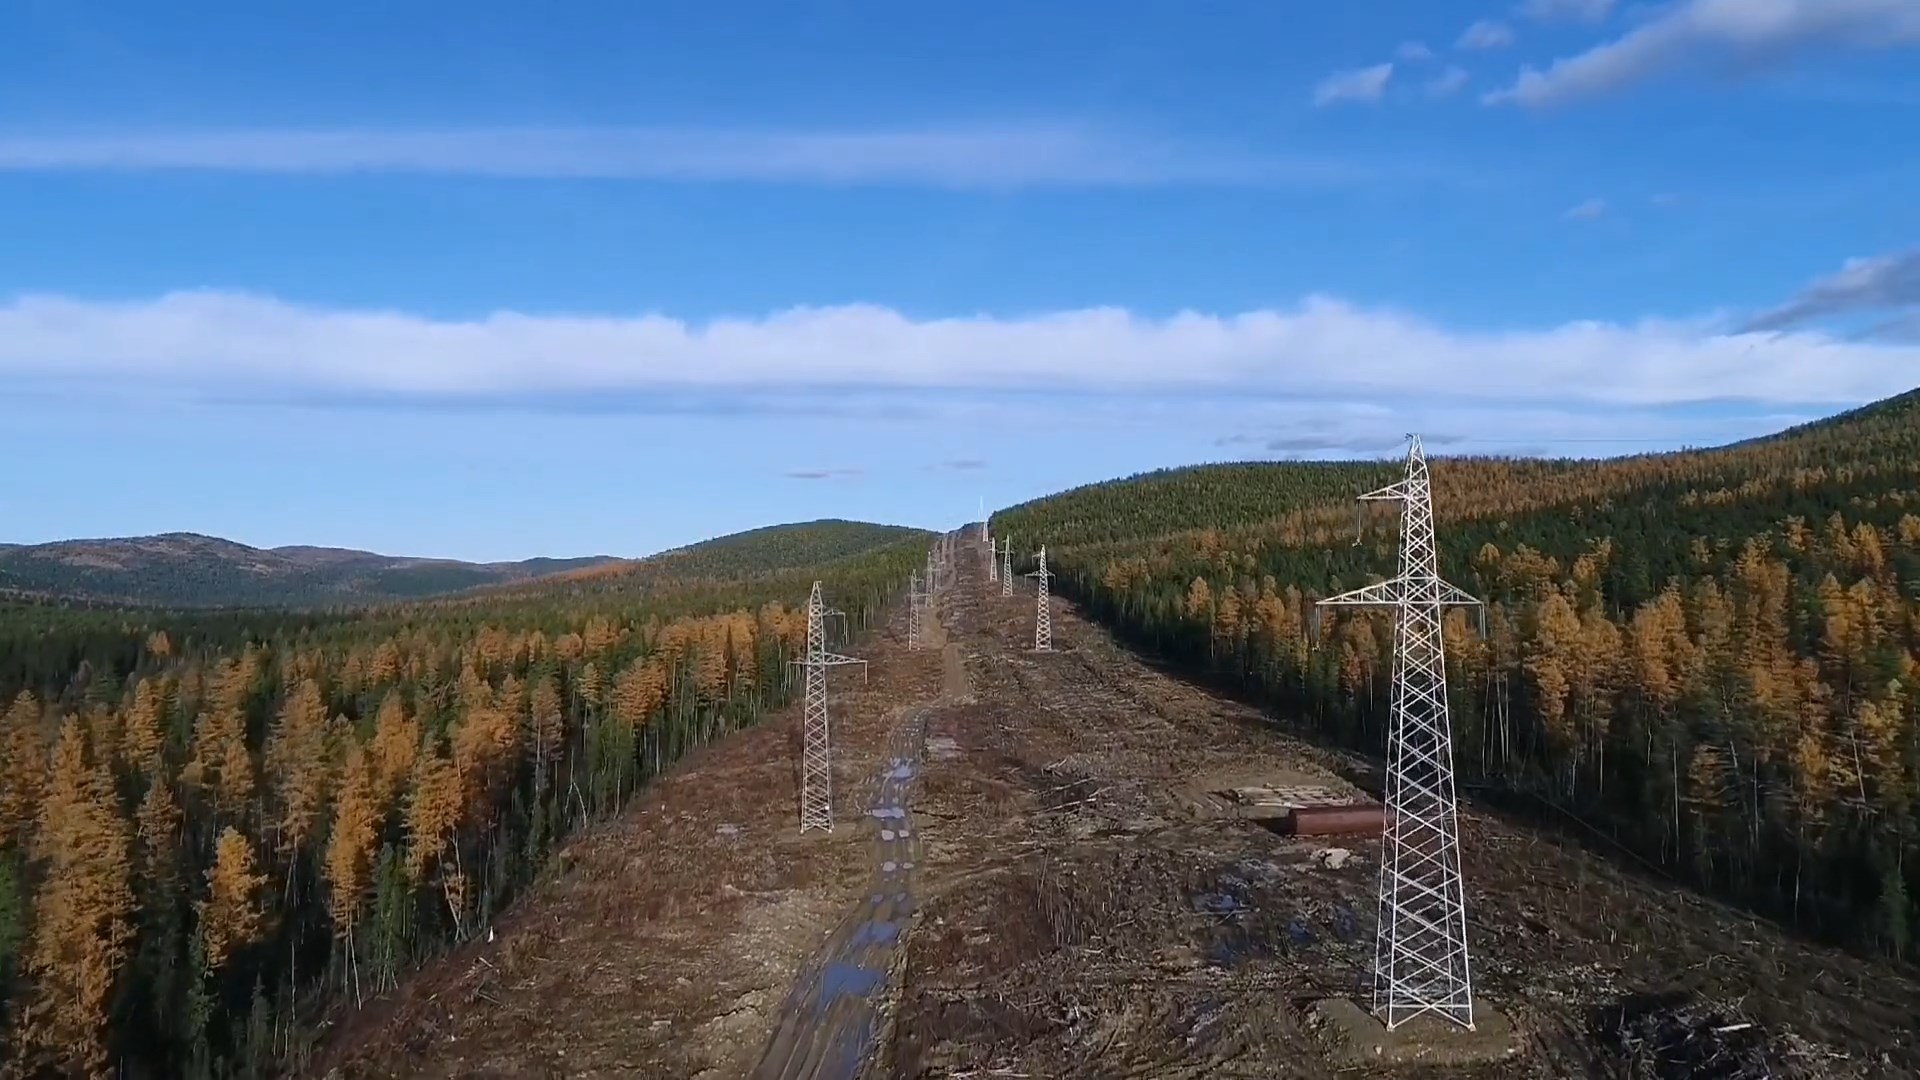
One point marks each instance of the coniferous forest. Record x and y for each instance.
(217, 826)
(1706, 658)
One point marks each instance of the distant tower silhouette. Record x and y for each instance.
(1420, 952)
(914, 603)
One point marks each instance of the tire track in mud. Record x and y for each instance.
(830, 1020)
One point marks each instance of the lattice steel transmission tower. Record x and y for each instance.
(914, 604)
(1420, 951)
(816, 752)
(1042, 619)
(1006, 569)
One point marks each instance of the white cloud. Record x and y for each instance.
(1413, 51)
(1486, 34)
(239, 344)
(1549, 11)
(1364, 84)
(1684, 32)
(978, 156)
(1589, 210)
(1666, 200)
(1448, 82)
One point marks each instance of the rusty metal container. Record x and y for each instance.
(1336, 820)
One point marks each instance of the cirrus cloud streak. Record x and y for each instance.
(986, 155)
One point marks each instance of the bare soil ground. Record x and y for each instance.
(1086, 908)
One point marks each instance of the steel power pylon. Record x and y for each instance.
(993, 550)
(1006, 569)
(914, 603)
(1420, 952)
(1042, 619)
(816, 753)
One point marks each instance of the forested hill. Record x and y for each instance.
(1709, 656)
(190, 570)
(742, 556)
(219, 827)
(187, 570)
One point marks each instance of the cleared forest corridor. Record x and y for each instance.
(1080, 903)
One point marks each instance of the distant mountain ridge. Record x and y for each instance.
(192, 570)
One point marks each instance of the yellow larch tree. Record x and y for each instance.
(298, 765)
(1551, 654)
(639, 691)
(231, 917)
(142, 737)
(485, 745)
(433, 811)
(159, 646)
(23, 769)
(599, 635)
(350, 843)
(394, 748)
(83, 928)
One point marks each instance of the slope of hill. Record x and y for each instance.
(780, 547)
(737, 557)
(190, 570)
(1708, 657)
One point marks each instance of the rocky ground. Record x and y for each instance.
(1085, 906)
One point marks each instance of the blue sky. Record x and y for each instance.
(476, 281)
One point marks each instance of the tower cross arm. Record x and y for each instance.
(1396, 590)
(1395, 490)
(828, 660)
(1380, 593)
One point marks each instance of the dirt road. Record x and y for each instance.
(828, 1024)
(1080, 905)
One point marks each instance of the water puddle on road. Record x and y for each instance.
(828, 1023)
